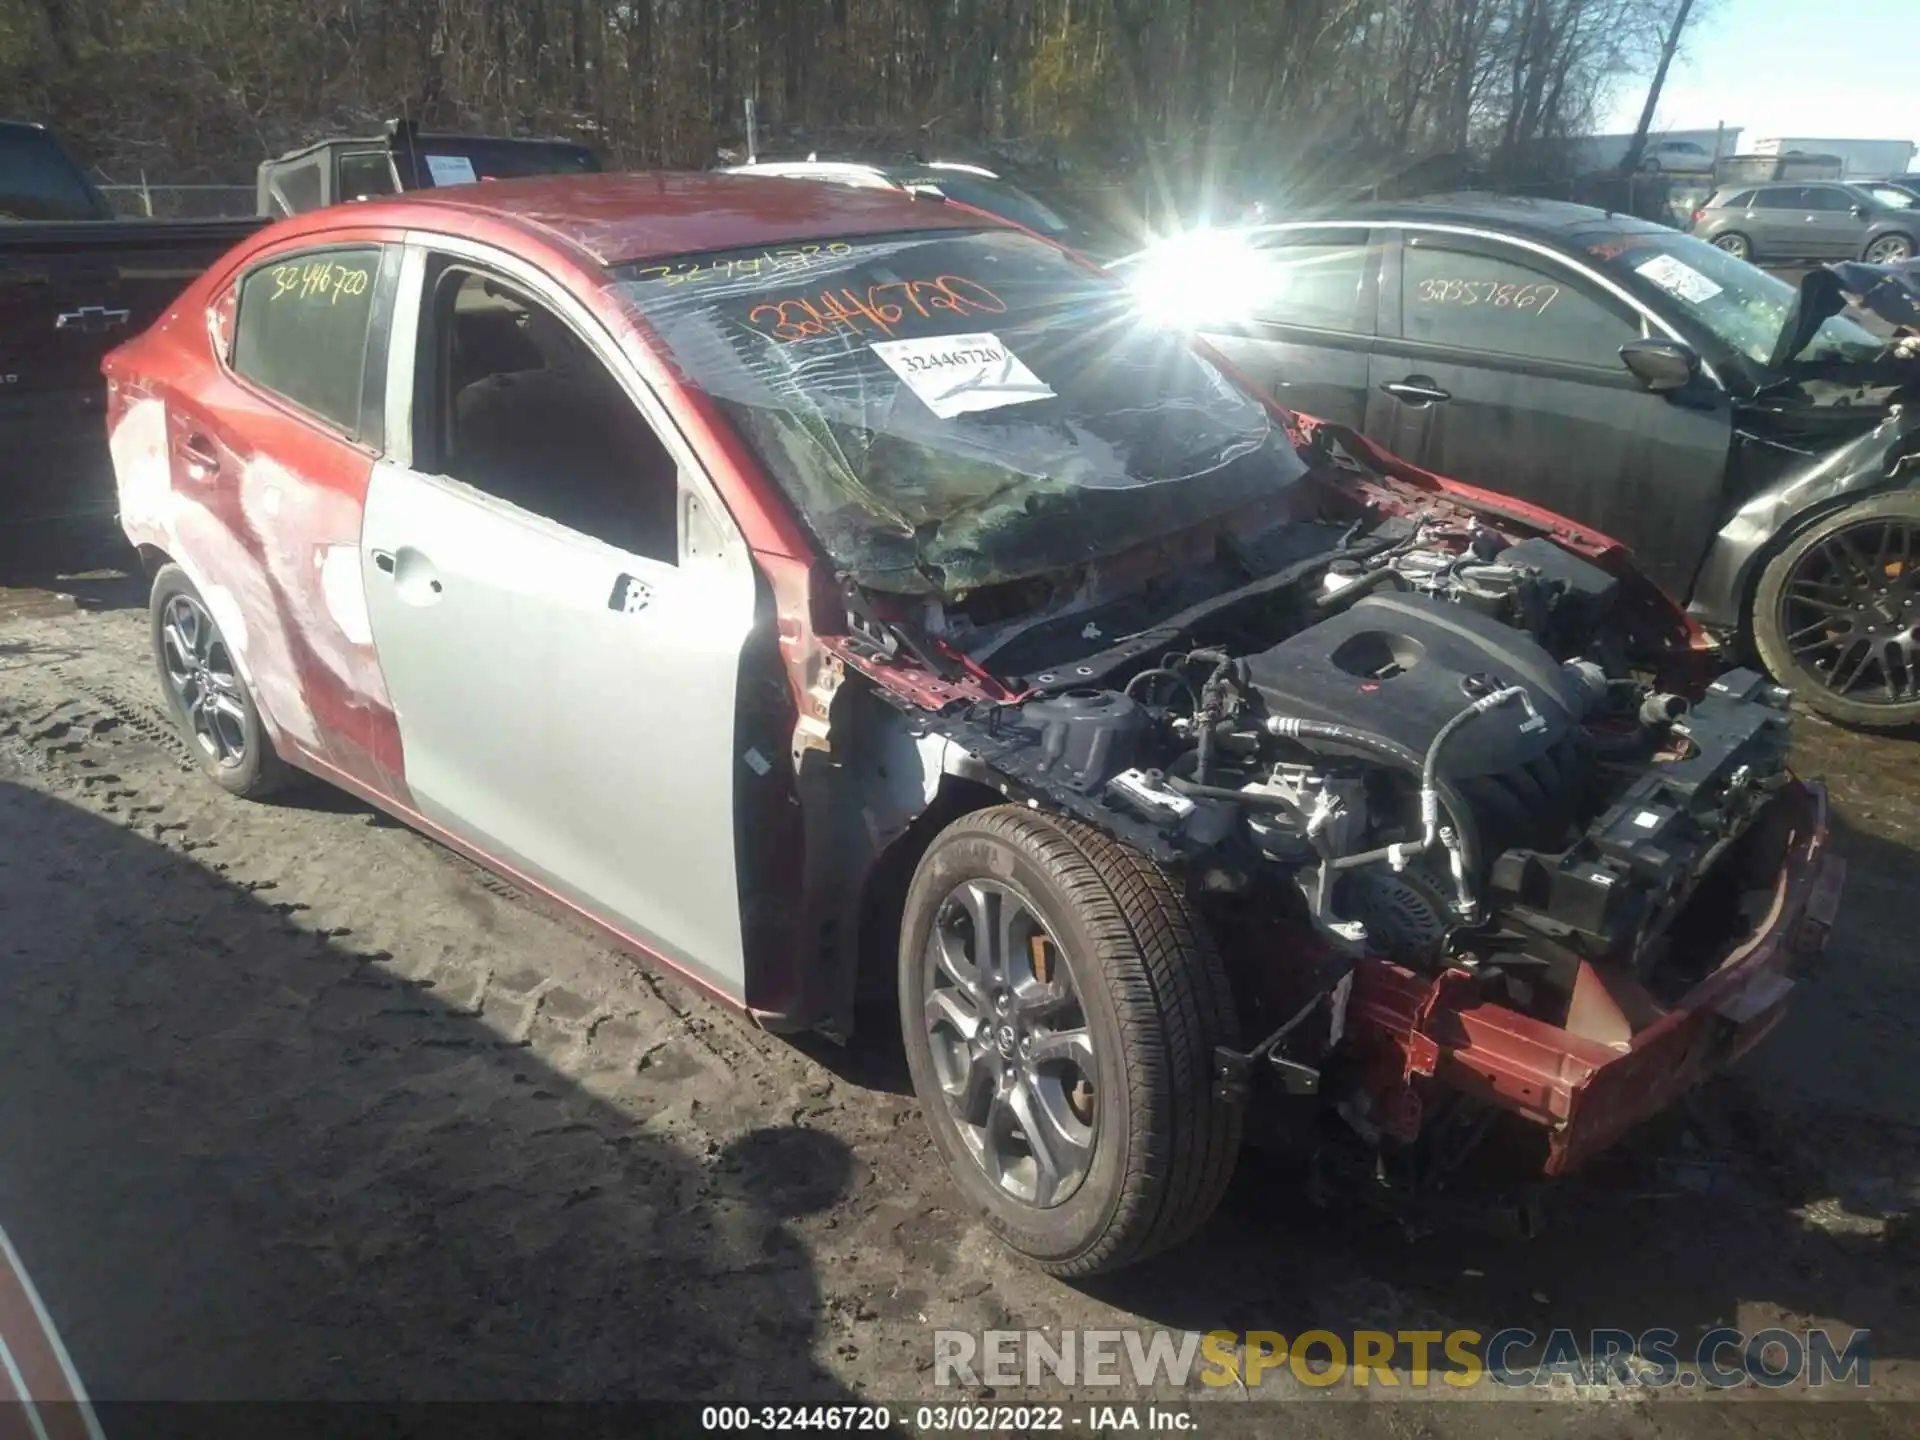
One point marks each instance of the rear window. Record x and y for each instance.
(302, 331)
(38, 182)
(1738, 202)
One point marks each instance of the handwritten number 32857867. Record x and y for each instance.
(1527, 299)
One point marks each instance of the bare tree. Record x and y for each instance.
(1637, 147)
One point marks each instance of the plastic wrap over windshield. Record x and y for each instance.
(951, 410)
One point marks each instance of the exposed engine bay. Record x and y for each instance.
(1426, 742)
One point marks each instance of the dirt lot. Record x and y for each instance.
(295, 1104)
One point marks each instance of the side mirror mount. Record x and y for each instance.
(1661, 365)
(1859, 212)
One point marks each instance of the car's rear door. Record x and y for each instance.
(270, 415)
(1833, 230)
(1500, 366)
(560, 605)
(1777, 222)
(1308, 326)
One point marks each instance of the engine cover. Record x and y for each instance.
(1402, 665)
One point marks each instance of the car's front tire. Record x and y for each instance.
(206, 693)
(1836, 615)
(1061, 1004)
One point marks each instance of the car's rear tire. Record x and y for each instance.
(206, 693)
(1836, 615)
(1889, 250)
(1735, 244)
(1096, 1025)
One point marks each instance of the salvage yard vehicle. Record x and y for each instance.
(1752, 445)
(813, 587)
(74, 282)
(341, 169)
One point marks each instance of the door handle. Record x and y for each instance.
(1417, 390)
(202, 458)
(415, 580)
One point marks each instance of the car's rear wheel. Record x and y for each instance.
(1836, 616)
(206, 693)
(1061, 1004)
(1889, 250)
(1735, 244)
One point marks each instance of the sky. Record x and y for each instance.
(1818, 69)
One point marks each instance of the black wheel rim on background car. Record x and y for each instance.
(1849, 612)
(1010, 1043)
(200, 673)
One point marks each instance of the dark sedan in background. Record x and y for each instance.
(1749, 447)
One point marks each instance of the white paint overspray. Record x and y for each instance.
(309, 535)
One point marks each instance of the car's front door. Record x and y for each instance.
(1308, 324)
(560, 606)
(1500, 366)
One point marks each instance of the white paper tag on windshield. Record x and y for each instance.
(954, 374)
(1679, 277)
(451, 170)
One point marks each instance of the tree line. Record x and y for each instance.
(1179, 87)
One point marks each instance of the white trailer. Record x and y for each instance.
(1860, 157)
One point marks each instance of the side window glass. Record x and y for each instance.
(1740, 201)
(1782, 199)
(365, 172)
(302, 330)
(526, 412)
(1482, 302)
(297, 186)
(1821, 198)
(1317, 284)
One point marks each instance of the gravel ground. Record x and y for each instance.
(295, 1104)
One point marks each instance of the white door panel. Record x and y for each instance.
(567, 706)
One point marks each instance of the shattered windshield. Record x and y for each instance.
(954, 409)
(1740, 303)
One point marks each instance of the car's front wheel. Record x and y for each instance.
(1061, 1004)
(1836, 616)
(1735, 244)
(206, 693)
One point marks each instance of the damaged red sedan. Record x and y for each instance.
(824, 590)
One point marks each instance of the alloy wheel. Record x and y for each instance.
(1734, 245)
(1010, 1043)
(200, 672)
(1889, 250)
(1850, 612)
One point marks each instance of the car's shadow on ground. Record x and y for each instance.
(244, 1161)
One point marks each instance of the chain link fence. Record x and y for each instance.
(180, 202)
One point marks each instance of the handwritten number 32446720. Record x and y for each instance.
(1529, 299)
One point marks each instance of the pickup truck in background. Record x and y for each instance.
(75, 280)
(330, 172)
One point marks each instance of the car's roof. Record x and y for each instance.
(1545, 219)
(650, 215)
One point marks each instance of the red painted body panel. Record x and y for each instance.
(612, 219)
